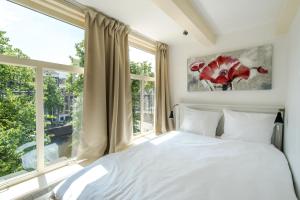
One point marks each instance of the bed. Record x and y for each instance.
(185, 165)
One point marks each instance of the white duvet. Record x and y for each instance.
(181, 165)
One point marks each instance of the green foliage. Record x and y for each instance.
(17, 104)
(77, 114)
(79, 61)
(139, 68)
(136, 105)
(17, 111)
(7, 49)
(17, 127)
(74, 82)
(53, 99)
(74, 86)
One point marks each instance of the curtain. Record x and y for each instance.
(163, 106)
(107, 123)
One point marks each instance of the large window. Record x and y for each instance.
(142, 68)
(41, 83)
(40, 37)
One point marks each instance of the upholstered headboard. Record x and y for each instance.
(277, 138)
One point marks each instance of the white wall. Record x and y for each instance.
(292, 133)
(179, 54)
(286, 80)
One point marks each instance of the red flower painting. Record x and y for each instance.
(223, 70)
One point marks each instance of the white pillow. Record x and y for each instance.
(199, 121)
(251, 127)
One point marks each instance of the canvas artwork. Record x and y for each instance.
(247, 69)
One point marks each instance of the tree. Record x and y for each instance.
(17, 104)
(74, 82)
(53, 99)
(74, 87)
(17, 111)
(139, 68)
(79, 61)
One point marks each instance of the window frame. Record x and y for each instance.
(72, 13)
(69, 12)
(148, 48)
(40, 67)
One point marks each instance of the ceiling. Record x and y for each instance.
(236, 15)
(143, 16)
(224, 17)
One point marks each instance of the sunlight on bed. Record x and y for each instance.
(76, 188)
(163, 138)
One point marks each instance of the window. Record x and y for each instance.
(41, 83)
(17, 119)
(63, 114)
(142, 68)
(40, 37)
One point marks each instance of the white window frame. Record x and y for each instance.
(67, 12)
(70, 12)
(148, 47)
(40, 67)
(143, 79)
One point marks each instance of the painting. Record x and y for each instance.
(247, 69)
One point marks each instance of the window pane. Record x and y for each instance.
(17, 120)
(39, 36)
(148, 112)
(63, 114)
(136, 106)
(141, 62)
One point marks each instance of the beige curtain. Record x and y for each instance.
(163, 107)
(107, 125)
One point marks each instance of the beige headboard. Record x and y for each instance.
(277, 138)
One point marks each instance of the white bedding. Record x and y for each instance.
(181, 165)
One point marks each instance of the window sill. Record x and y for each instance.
(142, 138)
(36, 186)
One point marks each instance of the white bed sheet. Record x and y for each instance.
(181, 165)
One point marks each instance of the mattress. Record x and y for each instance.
(182, 165)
